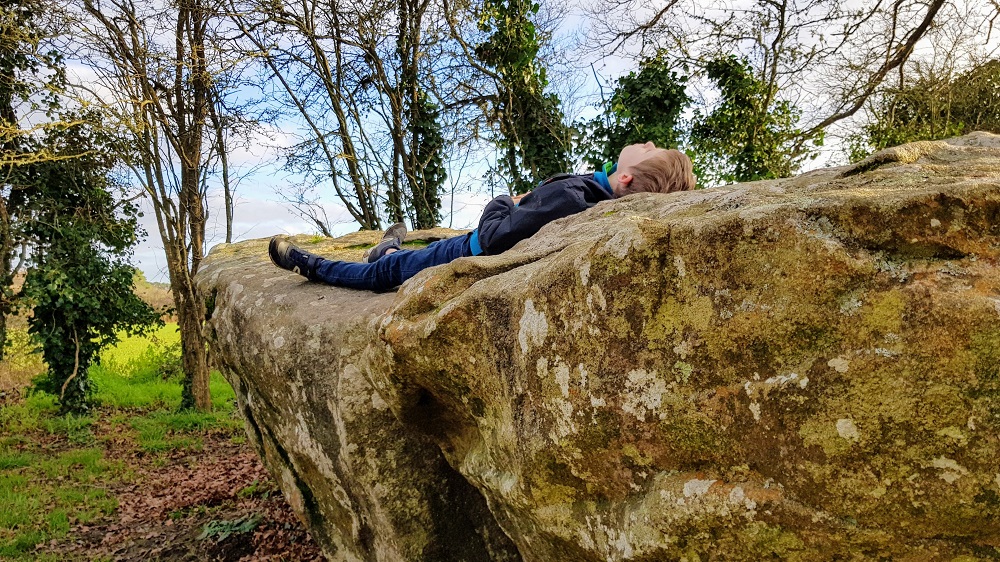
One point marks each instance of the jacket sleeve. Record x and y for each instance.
(504, 224)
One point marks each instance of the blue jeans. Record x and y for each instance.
(392, 269)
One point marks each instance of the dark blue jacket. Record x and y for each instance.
(505, 223)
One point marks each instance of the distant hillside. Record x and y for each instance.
(156, 295)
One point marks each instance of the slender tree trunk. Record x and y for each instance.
(169, 115)
(6, 275)
(8, 118)
(220, 143)
(190, 308)
(190, 315)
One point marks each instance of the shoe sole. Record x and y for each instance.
(393, 238)
(276, 249)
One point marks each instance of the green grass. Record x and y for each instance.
(166, 430)
(132, 350)
(11, 459)
(76, 429)
(132, 376)
(54, 472)
(39, 500)
(18, 419)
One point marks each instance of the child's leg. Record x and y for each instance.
(392, 269)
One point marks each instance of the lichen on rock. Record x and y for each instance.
(801, 369)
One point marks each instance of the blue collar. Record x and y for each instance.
(602, 177)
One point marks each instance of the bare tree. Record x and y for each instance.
(948, 88)
(353, 75)
(154, 82)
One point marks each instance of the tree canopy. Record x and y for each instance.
(646, 105)
(745, 134)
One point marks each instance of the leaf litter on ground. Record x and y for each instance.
(192, 505)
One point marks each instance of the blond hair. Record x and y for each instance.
(668, 171)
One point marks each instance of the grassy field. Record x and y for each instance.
(136, 479)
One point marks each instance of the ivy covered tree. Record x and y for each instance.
(745, 135)
(533, 138)
(646, 105)
(749, 134)
(60, 215)
(829, 56)
(29, 80)
(931, 106)
(80, 283)
(428, 155)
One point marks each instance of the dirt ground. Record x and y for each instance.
(216, 504)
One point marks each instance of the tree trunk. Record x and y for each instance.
(3, 327)
(190, 315)
(8, 119)
(192, 20)
(6, 276)
(220, 143)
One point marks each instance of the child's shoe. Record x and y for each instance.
(393, 239)
(286, 256)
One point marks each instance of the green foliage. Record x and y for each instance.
(532, 136)
(221, 530)
(932, 107)
(80, 285)
(645, 106)
(748, 135)
(160, 360)
(58, 198)
(21, 362)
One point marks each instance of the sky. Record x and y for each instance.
(259, 213)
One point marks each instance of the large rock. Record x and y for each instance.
(797, 369)
(367, 487)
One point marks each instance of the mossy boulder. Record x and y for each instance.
(367, 487)
(801, 369)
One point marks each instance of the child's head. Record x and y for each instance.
(645, 168)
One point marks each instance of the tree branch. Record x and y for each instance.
(900, 57)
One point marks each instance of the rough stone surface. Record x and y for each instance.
(803, 369)
(368, 488)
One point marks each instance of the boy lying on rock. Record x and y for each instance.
(505, 221)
